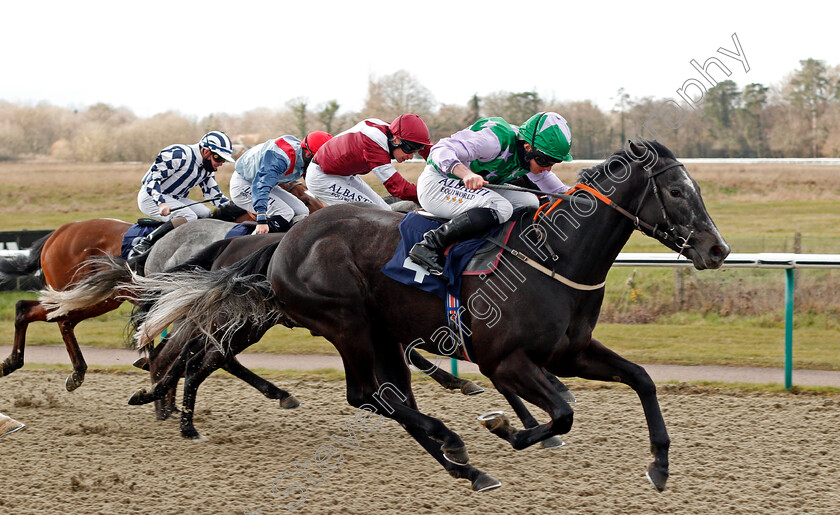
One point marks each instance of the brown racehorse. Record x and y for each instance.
(59, 255)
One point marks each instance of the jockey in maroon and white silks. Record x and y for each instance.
(368, 146)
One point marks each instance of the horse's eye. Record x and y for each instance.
(676, 193)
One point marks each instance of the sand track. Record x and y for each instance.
(89, 452)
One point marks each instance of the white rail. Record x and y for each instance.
(761, 260)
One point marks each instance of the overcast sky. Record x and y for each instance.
(199, 58)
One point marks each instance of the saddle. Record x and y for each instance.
(471, 257)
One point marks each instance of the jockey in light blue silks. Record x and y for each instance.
(491, 151)
(262, 174)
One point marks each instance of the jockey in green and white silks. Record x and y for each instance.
(491, 151)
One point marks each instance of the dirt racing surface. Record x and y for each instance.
(89, 452)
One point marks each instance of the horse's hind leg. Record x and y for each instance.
(562, 389)
(600, 363)
(167, 377)
(161, 358)
(198, 368)
(267, 388)
(391, 372)
(26, 312)
(444, 378)
(525, 416)
(363, 389)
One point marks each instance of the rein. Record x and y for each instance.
(670, 234)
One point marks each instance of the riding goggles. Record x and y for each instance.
(410, 147)
(544, 160)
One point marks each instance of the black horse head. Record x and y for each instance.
(655, 193)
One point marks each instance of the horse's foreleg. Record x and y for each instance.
(519, 376)
(267, 388)
(444, 378)
(26, 312)
(67, 324)
(600, 363)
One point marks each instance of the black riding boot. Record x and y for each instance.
(277, 223)
(465, 226)
(145, 245)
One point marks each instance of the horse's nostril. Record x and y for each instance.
(718, 252)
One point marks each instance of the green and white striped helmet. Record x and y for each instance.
(549, 133)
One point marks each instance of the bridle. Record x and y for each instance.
(669, 235)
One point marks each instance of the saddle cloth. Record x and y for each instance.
(134, 234)
(471, 257)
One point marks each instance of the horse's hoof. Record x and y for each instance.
(9, 425)
(657, 477)
(551, 443)
(71, 383)
(193, 435)
(136, 398)
(485, 482)
(493, 420)
(458, 455)
(470, 388)
(568, 396)
(289, 402)
(142, 362)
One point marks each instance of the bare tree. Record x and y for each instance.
(326, 115)
(397, 94)
(811, 88)
(755, 101)
(300, 115)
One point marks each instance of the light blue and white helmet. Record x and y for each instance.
(218, 142)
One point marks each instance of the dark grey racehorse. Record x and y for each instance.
(326, 276)
(190, 355)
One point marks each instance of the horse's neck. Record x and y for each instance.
(591, 247)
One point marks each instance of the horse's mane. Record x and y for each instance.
(228, 213)
(587, 175)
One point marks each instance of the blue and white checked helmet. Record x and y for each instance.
(218, 142)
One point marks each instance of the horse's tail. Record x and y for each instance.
(16, 266)
(108, 275)
(214, 304)
(202, 260)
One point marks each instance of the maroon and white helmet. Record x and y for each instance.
(410, 127)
